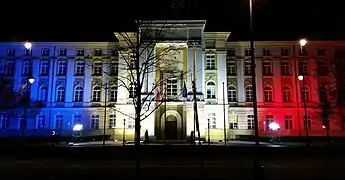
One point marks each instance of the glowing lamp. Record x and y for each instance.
(303, 42)
(300, 77)
(28, 45)
(78, 127)
(323, 126)
(31, 79)
(274, 126)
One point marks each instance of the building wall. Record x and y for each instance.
(236, 111)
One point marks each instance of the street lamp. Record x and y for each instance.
(28, 45)
(31, 79)
(303, 42)
(274, 127)
(124, 132)
(208, 132)
(301, 78)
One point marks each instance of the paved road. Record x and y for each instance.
(181, 168)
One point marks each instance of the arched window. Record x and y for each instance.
(60, 94)
(323, 94)
(268, 93)
(96, 94)
(232, 94)
(132, 92)
(211, 90)
(113, 94)
(78, 94)
(305, 94)
(40, 121)
(286, 94)
(249, 93)
(58, 121)
(76, 119)
(20, 120)
(42, 94)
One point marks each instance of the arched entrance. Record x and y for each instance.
(171, 127)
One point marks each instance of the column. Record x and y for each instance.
(241, 98)
(277, 87)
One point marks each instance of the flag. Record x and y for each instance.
(158, 93)
(184, 90)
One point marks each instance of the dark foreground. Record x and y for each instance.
(171, 163)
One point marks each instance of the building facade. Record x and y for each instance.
(66, 91)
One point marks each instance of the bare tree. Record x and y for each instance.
(332, 99)
(138, 57)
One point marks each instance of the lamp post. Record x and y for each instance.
(29, 81)
(224, 114)
(208, 132)
(252, 57)
(124, 132)
(105, 112)
(306, 126)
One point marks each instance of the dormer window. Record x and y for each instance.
(80, 52)
(62, 52)
(98, 52)
(11, 52)
(45, 52)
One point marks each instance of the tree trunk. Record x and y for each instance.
(138, 102)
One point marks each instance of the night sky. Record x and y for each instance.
(97, 20)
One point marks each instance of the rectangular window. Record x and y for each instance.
(288, 122)
(250, 121)
(210, 61)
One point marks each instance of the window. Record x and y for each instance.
(112, 121)
(40, 121)
(172, 87)
(303, 68)
(96, 94)
(285, 68)
(285, 51)
(266, 52)
(321, 52)
(78, 94)
(3, 121)
(288, 122)
(114, 66)
(20, 120)
(60, 94)
(11, 52)
(28, 52)
(213, 121)
(305, 94)
(98, 52)
(268, 93)
(322, 69)
(79, 68)
(132, 62)
(131, 122)
(211, 90)
(114, 53)
(76, 119)
(249, 93)
(232, 94)
(42, 93)
(61, 68)
(9, 68)
(210, 61)
(231, 67)
(231, 52)
(113, 94)
(80, 52)
(267, 71)
(44, 68)
(62, 52)
(269, 120)
(45, 52)
(132, 91)
(250, 121)
(26, 67)
(97, 68)
(58, 121)
(286, 94)
(95, 121)
(247, 68)
(303, 51)
(323, 95)
(247, 52)
(308, 124)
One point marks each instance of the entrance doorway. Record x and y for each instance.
(171, 128)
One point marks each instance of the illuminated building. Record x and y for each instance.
(65, 91)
